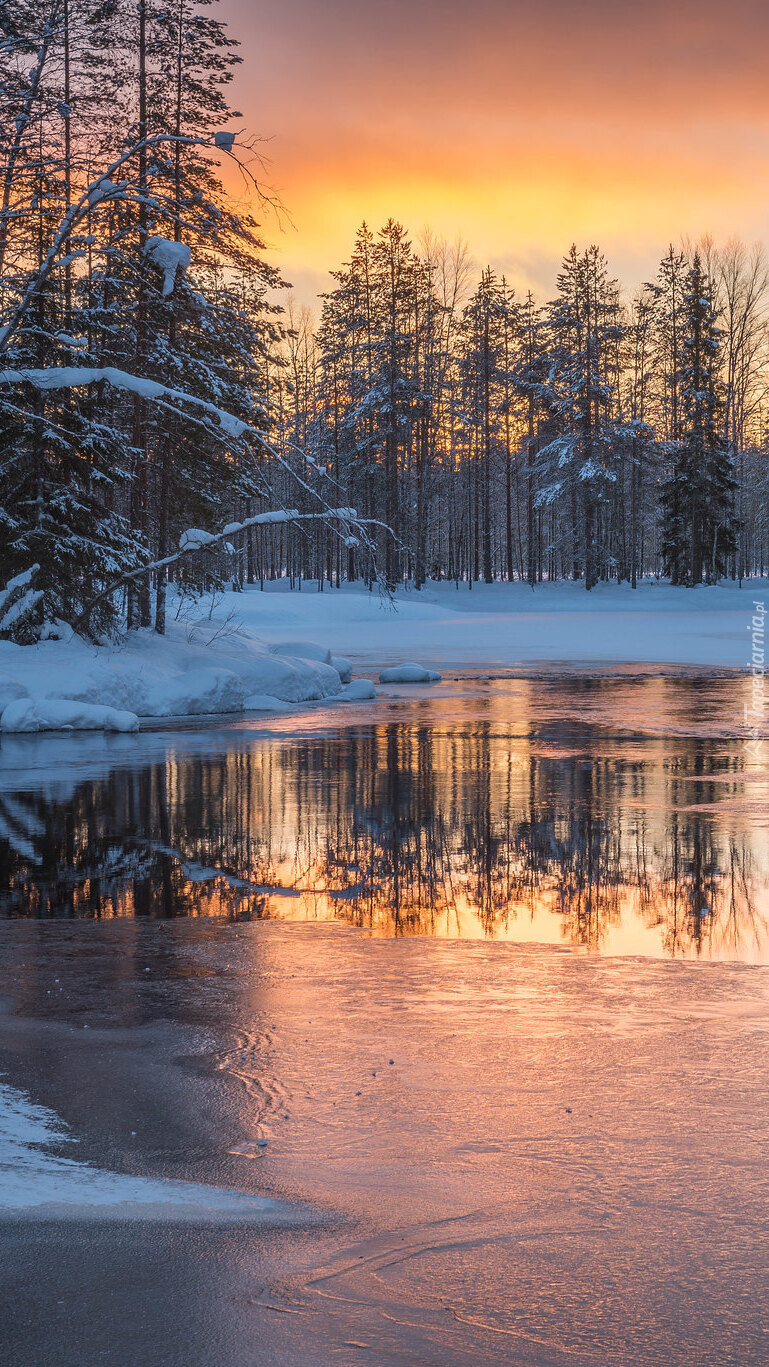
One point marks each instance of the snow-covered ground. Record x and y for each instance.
(511, 624)
(259, 650)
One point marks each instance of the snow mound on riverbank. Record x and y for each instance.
(308, 650)
(25, 714)
(359, 690)
(263, 702)
(409, 673)
(209, 667)
(35, 1184)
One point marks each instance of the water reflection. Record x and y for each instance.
(529, 828)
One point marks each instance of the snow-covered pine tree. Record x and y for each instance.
(538, 424)
(699, 530)
(668, 290)
(368, 363)
(439, 495)
(95, 275)
(396, 386)
(432, 314)
(638, 468)
(205, 333)
(60, 471)
(578, 466)
(491, 329)
(347, 434)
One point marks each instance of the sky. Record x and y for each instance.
(519, 127)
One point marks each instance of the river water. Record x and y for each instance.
(473, 978)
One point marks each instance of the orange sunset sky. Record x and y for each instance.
(519, 126)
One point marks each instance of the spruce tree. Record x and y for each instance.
(698, 529)
(490, 324)
(578, 468)
(87, 471)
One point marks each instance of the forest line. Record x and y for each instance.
(589, 436)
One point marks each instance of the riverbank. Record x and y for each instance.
(258, 651)
(212, 664)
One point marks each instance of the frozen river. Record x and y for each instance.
(470, 985)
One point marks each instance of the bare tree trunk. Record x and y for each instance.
(486, 511)
(139, 607)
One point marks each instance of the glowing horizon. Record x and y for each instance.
(517, 128)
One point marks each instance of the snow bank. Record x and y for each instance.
(308, 650)
(360, 690)
(10, 690)
(37, 1184)
(58, 714)
(263, 702)
(206, 667)
(343, 667)
(302, 650)
(194, 693)
(410, 674)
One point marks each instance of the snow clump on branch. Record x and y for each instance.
(169, 257)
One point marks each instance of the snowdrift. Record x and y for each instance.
(409, 673)
(444, 627)
(210, 667)
(59, 714)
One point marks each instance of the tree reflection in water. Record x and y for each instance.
(607, 841)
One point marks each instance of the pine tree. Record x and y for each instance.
(396, 387)
(699, 532)
(61, 473)
(87, 472)
(490, 332)
(579, 465)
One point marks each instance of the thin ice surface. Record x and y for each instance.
(531, 1157)
(37, 1183)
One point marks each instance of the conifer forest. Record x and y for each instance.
(158, 374)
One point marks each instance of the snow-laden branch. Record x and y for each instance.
(73, 377)
(104, 188)
(76, 377)
(196, 540)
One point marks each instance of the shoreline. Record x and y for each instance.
(260, 651)
(628, 671)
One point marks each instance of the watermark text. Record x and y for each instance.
(755, 710)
